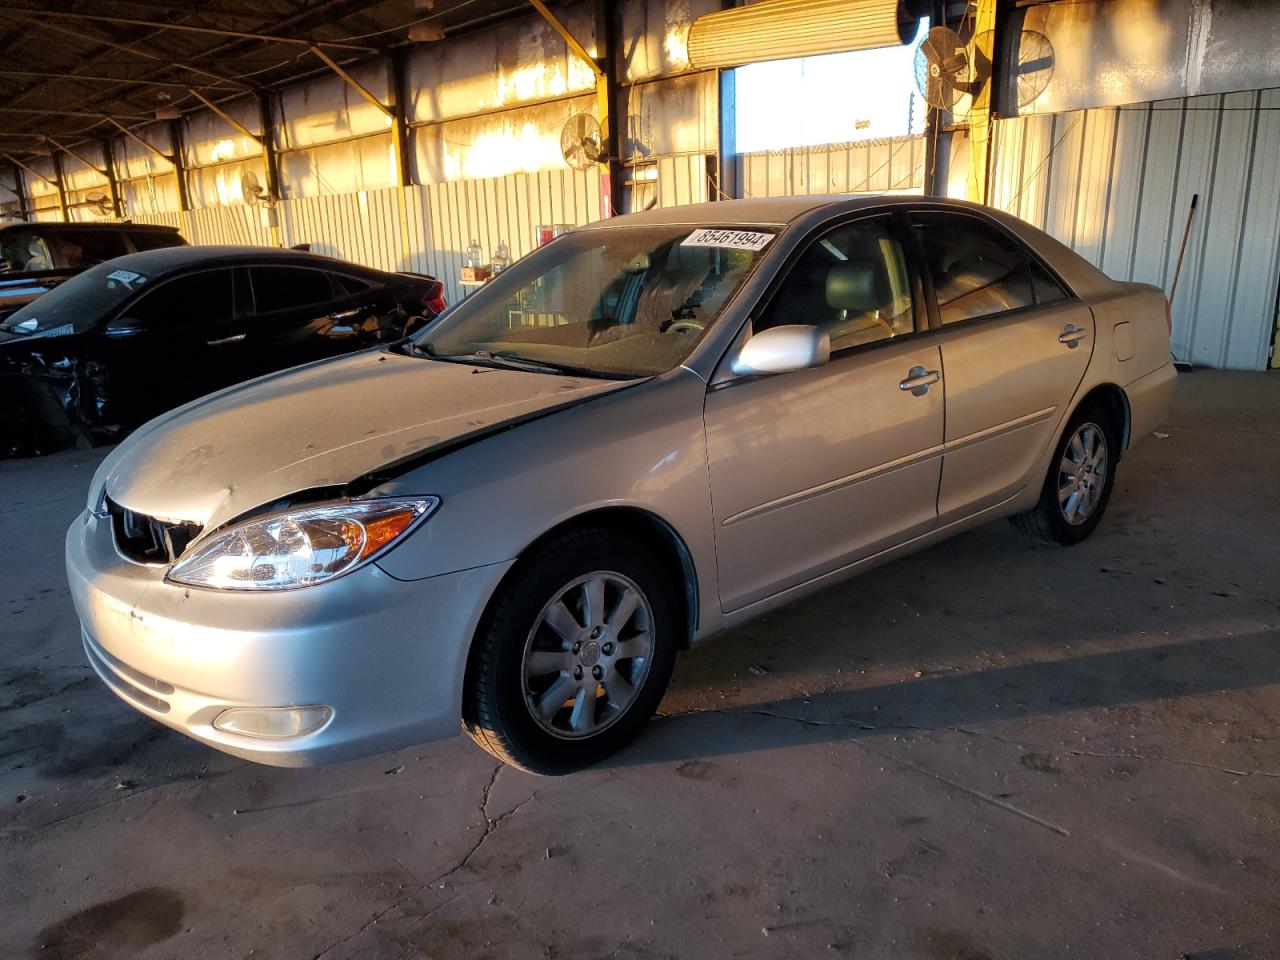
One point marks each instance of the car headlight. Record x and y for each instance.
(301, 547)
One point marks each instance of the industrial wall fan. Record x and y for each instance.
(948, 69)
(100, 204)
(581, 141)
(252, 190)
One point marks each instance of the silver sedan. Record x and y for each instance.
(647, 432)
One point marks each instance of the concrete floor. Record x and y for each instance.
(989, 750)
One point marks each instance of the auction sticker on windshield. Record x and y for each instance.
(732, 239)
(127, 277)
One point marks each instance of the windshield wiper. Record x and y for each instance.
(509, 361)
(516, 361)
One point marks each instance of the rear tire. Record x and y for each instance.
(1078, 486)
(574, 653)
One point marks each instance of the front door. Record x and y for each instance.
(813, 470)
(1015, 345)
(179, 340)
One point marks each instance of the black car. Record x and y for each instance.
(138, 335)
(36, 257)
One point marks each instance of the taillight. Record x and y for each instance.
(433, 298)
(1168, 316)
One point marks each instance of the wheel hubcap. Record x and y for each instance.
(1082, 474)
(587, 655)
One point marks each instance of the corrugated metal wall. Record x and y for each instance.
(426, 229)
(497, 210)
(893, 165)
(1116, 185)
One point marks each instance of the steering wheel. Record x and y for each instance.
(684, 326)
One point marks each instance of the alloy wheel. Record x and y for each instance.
(1082, 473)
(587, 655)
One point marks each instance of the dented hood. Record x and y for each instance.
(315, 426)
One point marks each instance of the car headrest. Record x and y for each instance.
(852, 286)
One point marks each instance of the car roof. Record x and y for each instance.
(765, 211)
(777, 211)
(167, 259)
(1083, 278)
(42, 226)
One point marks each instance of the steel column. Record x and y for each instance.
(62, 189)
(108, 155)
(179, 164)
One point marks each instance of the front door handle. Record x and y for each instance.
(347, 314)
(919, 380)
(232, 339)
(1071, 335)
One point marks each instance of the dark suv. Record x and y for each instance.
(34, 257)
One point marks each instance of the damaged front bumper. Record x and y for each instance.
(51, 402)
(377, 663)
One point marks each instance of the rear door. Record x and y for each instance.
(1015, 345)
(297, 316)
(815, 469)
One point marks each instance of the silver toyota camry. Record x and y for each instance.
(648, 431)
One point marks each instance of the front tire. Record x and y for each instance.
(574, 654)
(1078, 486)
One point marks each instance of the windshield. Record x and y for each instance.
(75, 305)
(626, 302)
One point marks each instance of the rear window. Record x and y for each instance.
(84, 248)
(156, 239)
(348, 286)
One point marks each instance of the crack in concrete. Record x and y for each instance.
(491, 824)
(969, 791)
(1026, 744)
(376, 917)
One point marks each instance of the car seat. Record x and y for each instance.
(857, 291)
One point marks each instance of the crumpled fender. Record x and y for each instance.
(52, 399)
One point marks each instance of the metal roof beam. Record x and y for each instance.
(71, 153)
(58, 112)
(354, 83)
(183, 27)
(568, 37)
(34, 173)
(95, 78)
(150, 146)
(137, 52)
(227, 117)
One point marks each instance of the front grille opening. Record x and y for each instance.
(145, 539)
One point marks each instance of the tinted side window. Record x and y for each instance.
(196, 299)
(977, 271)
(24, 251)
(156, 239)
(281, 288)
(88, 247)
(853, 283)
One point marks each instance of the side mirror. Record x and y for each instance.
(782, 350)
(123, 328)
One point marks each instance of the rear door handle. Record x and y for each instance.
(232, 339)
(347, 314)
(1071, 335)
(919, 380)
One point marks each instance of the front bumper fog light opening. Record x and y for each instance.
(272, 723)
